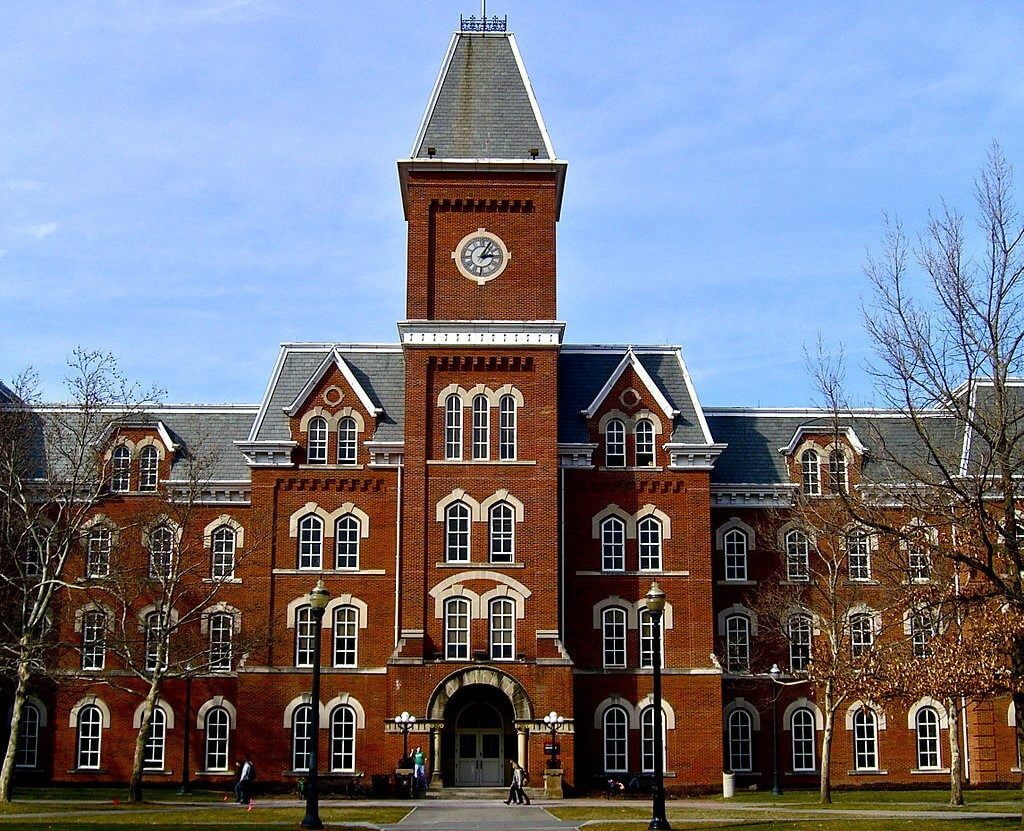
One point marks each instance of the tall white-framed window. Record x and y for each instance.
(613, 544)
(798, 556)
(217, 733)
(311, 543)
(222, 634)
(734, 545)
(120, 469)
(926, 723)
(346, 542)
(615, 724)
(26, 753)
(502, 615)
(347, 441)
(810, 473)
(613, 636)
(453, 427)
(302, 735)
(343, 739)
(862, 633)
(740, 728)
(865, 739)
(316, 441)
(647, 633)
(615, 444)
(502, 522)
(457, 518)
(481, 427)
(737, 643)
(89, 738)
(919, 563)
(801, 727)
(154, 630)
(648, 532)
(858, 555)
(149, 468)
(644, 436)
(97, 554)
(456, 629)
(507, 431)
(922, 630)
(156, 741)
(305, 636)
(222, 553)
(346, 636)
(94, 639)
(647, 741)
(161, 552)
(838, 479)
(799, 632)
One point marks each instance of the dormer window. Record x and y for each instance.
(120, 469)
(644, 443)
(615, 444)
(316, 447)
(347, 433)
(149, 468)
(838, 480)
(810, 470)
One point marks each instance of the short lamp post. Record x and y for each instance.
(405, 722)
(318, 599)
(775, 674)
(554, 721)
(655, 601)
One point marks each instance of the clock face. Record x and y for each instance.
(481, 256)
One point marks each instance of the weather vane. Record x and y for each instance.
(482, 24)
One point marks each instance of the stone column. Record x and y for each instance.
(435, 773)
(522, 733)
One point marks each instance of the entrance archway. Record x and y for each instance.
(480, 736)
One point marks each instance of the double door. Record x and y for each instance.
(479, 758)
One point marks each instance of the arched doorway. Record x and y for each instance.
(480, 730)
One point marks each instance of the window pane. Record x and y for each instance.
(94, 628)
(120, 469)
(502, 533)
(647, 741)
(649, 534)
(616, 732)
(346, 634)
(218, 727)
(311, 542)
(737, 643)
(149, 462)
(837, 480)
(797, 556)
(647, 632)
(928, 755)
(810, 472)
(27, 749)
(799, 642)
(346, 542)
(343, 739)
(481, 427)
(740, 741)
(222, 630)
(223, 553)
(305, 635)
(502, 629)
(858, 555)
(347, 441)
(613, 624)
(615, 444)
(644, 443)
(456, 613)
(161, 552)
(90, 724)
(865, 740)
(507, 439)
(153, 755)
(453, 427)
(802, 728)
(613, 544)
(98, 552)
(316, 447)
(302, 732)
(735, 544)
(457, 526)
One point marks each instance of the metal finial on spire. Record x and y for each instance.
(482, 24)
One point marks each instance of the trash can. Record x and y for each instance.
(728, 785)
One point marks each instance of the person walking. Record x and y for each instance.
(419, 770)
(516, 793)
(246, 776)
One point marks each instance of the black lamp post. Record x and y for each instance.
(186, 733)
(405, 722)
(775, 674)
(318, 599)
(554, 721)
(655, 600)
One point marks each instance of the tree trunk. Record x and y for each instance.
(825, 796)
(20, 694)
(956, 764)
(135, 783)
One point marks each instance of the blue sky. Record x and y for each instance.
(188, 183)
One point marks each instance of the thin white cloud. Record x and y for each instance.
(40, 231)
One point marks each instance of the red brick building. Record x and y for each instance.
(487, 507)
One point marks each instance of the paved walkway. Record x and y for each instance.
(453, 816)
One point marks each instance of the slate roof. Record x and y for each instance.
(7, 396)
(483, 105)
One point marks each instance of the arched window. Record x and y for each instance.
(153, 755)
(222, 631)
(919, 563)
(801, 726)
(613, 544)
(302, 734)
(858, 555)
(810, 470)
(502, 614)
(90, 729)
(456, 629)
(503, 534)
(613, 636)
(644, 434)
(94, 639)
(481, 427)
(648, 531)
(120, 469)
(222, 545)
(311, 542)
(305, 635)
(865, 739)
(647, 740)
(799, 631)
(507, 435)
(862, 633)
(149, 468)
(615, 444)
(347, 436)
(343, 739)
(217, 736)
(927, 728)
(647, 632)
(616, 737)
(456, 533)
(161, 552)
(346, 636)
(734, 543)
(346, 542)
(155, 638)
(837, 477)
(27, 749)
(798, 547)
(737, 643)
(740, 741)
(97, 554)
(453, 427)
(316, 442)
(923, 626)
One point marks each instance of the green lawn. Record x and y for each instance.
(829, 824)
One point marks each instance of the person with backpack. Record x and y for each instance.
(246, 776)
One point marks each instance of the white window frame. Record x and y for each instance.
(615, 444)
(800, 633)
(348, 441)
(343, 739)
(347, 531)
(149, 468)
(311, 543)
(740, 726)
(302, 735)
(862, 633)
(613, 544)
(156, 741)
(810, 472)
(615, 739)
(643, 437)
(94, 639)
(154, 634)
(120, 469)
(89, 738)
(507, 419)
(645, 627)
(647, 740)
(927, 745)
(798, 556)
(222, 641)
(649, 534)
(481, 428)
(216, 739)
(735, 546)
(453, 427)
(345, 637)
(223, 545)
(502, 527)
(457, 623)
(317, 432)
(306, 632)
(161, 552)
(737, 643)
(858, 556)
(614, 636)
(803, 737)
(458, 526)
(865, 739)
(97, 557)
(501, 615)
(838, 471)
(27, 747)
